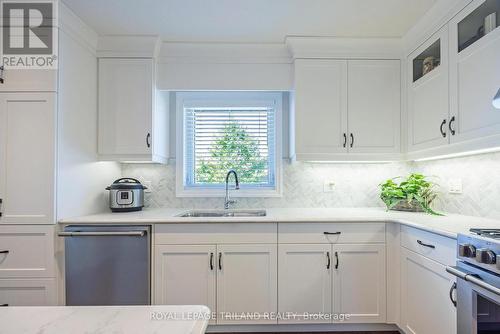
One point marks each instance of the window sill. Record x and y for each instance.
(192, 192)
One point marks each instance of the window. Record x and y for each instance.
(223, 131)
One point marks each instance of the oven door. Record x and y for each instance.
(478, 300)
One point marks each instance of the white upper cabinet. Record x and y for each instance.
(474, 73)
(320, 108)
(374, 104)
(27, 158)
(428, 99)
(133, 117)
(346, 106)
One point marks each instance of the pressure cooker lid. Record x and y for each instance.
(126, 183)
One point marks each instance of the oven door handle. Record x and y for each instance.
(474, 279)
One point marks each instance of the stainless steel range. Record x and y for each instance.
(478, 281)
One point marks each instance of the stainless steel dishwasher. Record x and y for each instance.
(107, 265)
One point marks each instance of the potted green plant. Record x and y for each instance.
(415, 193)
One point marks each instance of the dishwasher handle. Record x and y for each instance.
(103, 234)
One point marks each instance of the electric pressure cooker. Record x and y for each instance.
(126, 195)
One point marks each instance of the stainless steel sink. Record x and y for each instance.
(222, 213)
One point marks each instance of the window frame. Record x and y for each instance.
(227, 99)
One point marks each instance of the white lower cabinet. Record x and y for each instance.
(246, 283)
(27, 292)
(360, 282)
(319, 280)
(425, 303)
(185, 275)
(305, 281)
(234, 281)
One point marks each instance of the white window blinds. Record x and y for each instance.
(218, 139)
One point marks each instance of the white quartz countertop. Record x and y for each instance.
(449, 225)
(169, 319)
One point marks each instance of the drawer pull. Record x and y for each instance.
(336, 260)
(328, 260)
(4, 252)
(220, 261)
(211, 261)
(1, 305)
(331, 233)
(425, 245)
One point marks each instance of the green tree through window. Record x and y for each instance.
(235, 149)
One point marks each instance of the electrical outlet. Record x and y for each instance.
(147, 184)
(328, 186)
(455, 186)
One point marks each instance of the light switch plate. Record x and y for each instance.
(328, 186)
(455, 186)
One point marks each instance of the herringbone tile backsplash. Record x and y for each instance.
(356, 185)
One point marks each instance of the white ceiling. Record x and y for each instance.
(250, 20)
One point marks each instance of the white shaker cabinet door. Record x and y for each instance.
(428, 98)
(374, 106)
(320, 108)
(126, 97)
(185, 275)
(305, 281)
(246, 283)
(28, 292)
(359, 282)
(425, 303)
(475, 79)
(27, 157)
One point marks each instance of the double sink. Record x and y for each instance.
(222, 213)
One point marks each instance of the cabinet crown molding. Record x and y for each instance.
(127, 46)
(342, 47)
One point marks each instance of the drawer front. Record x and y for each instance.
(29, 81)
(337, 233)
(28, 292)
(215, 233)
(433, 246)
(26, 251)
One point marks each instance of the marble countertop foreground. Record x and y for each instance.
(169, 319)
(448, 225)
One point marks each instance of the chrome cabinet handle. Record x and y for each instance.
(336, 260)
(474, 279)
(452, 120)
(327, 260)
(211, 261)
(331, 233)
(148, 137)
(101, 234)
(425, 245)
(4, 252)
(453, 287)
(345, 140)
(220, 261)
(443, 133)
(352, 140)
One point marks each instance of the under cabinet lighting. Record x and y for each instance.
(458, 155)
(333, 162)
(496, 100)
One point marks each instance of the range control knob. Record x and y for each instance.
(485, 256)
(466, 250)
